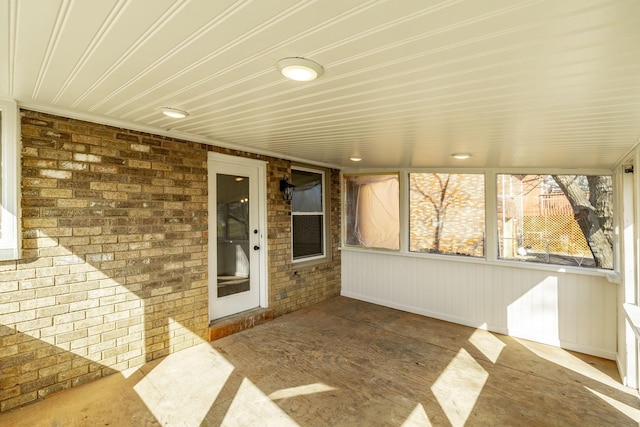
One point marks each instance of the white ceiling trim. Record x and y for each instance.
(195, 37)
(237, 65)
(367, 83)
(131, 50)
(519, 84)
(104, 29)
(60, 22)
(423, 36)
(125, 124)
(12, 13)
(629, 156)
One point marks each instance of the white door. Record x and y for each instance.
(237, 249)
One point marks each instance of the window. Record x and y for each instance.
(371, 211)
(9, 180)
(446, 213)
(308, 214)
(556, 219)
(233, 208)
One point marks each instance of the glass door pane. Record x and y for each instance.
(233, 247)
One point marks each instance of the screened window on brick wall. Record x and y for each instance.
(308, 214)
(372, 211)
(556, 219)
(447, 213)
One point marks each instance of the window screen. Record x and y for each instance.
(446, 213)
(556, 219)
(371, 211)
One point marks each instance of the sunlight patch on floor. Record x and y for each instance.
(264, 411)
(458, 387)
(487, 343)
(181, 389)
(418, 417)
(630, 412)
(568, 361)
(300, 391)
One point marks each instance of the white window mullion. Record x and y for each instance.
(491, 216)
(403, 177)
(9, 180)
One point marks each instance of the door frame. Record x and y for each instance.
(214, 159)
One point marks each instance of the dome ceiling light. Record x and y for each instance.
(174, 113)
(300, 69)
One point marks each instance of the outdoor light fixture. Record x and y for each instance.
(300, 69)
(286, 188)
(461, 156)
(174, 113)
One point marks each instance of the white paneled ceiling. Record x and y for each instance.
(407, 82)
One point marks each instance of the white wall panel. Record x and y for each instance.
(573, 310)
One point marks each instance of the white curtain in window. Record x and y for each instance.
(377, 212)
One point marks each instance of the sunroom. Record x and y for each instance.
(187, 179)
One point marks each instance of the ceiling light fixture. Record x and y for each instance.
(355, 159)
(300, 69)
(174, 113)
(461, 156)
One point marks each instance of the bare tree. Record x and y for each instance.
(441, 200)
(593, 212)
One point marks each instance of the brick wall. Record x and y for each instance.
(292, 287)
(114, 265)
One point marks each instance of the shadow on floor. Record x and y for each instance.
(346, 362)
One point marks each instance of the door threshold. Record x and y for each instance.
(229, 325)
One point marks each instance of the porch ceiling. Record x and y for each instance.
(521, 84)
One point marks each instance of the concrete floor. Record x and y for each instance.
(347, 363)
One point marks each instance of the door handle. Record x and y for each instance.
(256, 248)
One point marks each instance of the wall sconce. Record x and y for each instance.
(286, 188)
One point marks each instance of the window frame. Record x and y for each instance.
(398, 175)
(491, 230)
(326, 223)
(610, 174)
(10, 242)
(484, 222)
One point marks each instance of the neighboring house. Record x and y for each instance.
(538, 223)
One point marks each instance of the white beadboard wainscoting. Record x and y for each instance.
(573, 310)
